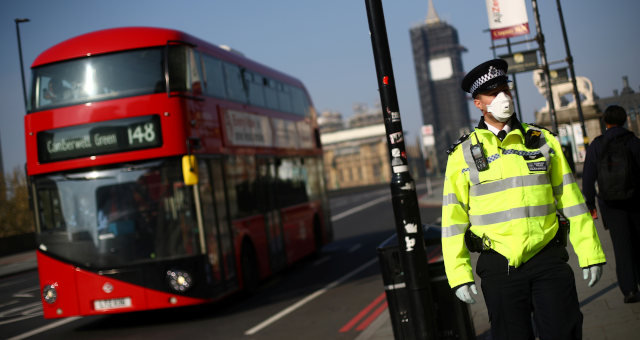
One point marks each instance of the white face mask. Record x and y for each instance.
(501, 107)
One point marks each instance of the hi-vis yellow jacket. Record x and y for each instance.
(513, 203)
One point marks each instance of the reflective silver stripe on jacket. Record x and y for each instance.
(452, 199)
(508, 183)
(474, 175)
(566, 180)
(575, 210)
(512, 214)
(454, 229)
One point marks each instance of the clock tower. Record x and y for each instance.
(437, 56)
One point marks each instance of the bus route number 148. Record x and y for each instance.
(141, 134)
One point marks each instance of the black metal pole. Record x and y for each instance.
(515, 84)
(545, 68)
(405, 202)
(24, 88)
(576, 94)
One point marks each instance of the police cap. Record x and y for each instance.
(485, 77)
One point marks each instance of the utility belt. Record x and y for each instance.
(478, 244)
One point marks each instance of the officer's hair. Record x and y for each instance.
(615, 115)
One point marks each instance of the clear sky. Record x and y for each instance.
(324, 43)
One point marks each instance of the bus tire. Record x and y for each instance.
(250, 273)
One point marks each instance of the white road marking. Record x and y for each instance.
(24, 317)
(309, 297)
(45, 328)
(8, 303)
(23, 295)
(354, 248)
(11, 283)
(359, 208)
(22, 312)
(19, 309)
(322, 260)
(37, 310)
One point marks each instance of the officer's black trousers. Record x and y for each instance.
(623, 222)
(544, 286)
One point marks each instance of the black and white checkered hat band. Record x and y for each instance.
(493, 73)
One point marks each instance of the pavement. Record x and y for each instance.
(606, 317)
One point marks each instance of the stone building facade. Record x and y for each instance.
(356, 157)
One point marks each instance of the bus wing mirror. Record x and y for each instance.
(189, 169)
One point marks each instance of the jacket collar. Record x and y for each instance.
(513, 123)
(615, 131)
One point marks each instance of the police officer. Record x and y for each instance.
(505, 185)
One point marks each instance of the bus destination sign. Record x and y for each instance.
(99, 138)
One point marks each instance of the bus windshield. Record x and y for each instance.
(101, 77)
(117, 216)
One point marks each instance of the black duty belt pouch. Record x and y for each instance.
(475, 243)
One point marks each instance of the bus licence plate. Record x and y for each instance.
(112, 303)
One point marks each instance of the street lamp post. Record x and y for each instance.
(412, 249)
(545, 67)
(576, 95)
(24, 88)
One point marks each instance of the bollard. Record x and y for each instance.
(451, 315)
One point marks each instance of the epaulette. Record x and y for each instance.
(458, 142)
(543, 128)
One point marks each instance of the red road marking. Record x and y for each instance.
(362, 313)
(435, 254)
(372, 317)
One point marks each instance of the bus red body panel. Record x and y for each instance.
(112, 115)
(168, 110)
(89, 297)
(109, 40)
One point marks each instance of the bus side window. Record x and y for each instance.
(234, 82)
(241, 179)
(270, 93)
(292, 182)
(177, 68)
(298, 101)
(284, 97)
(254, 86)
(214, 77)
(195, 72)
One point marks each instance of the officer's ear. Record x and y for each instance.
(478, 103)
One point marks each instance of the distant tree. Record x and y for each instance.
(15, 215)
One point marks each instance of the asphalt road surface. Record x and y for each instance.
(335, 294)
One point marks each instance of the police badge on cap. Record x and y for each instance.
(486, 76)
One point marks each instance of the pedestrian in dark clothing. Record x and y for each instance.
(620, 216)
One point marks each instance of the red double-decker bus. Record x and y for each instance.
(166, 171)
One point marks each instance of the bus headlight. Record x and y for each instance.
(49, 294)
(179, 280)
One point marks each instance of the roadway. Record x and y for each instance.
(333, 295)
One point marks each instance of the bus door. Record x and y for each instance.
(268, 198)
(219, 242)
